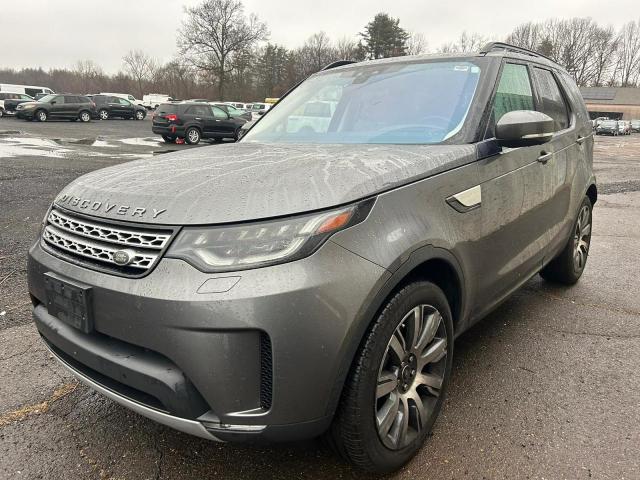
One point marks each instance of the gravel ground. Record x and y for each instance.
(546, 387)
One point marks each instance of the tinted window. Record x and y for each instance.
(165, 108)
(83, 99)
(200, 110)
(70, 99)
(404, 103)
(218, 112)
(551, 99)
(514, 91)
(99, 99)
(59, 99)
(32, 91)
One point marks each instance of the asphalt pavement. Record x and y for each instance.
(546, 387)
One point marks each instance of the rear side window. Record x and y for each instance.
(99, 99)
(70, 99)
(165, 108)
(83, 100)
(514, 91)
(552, 102)
(200, 110)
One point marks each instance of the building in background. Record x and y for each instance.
(617, 103)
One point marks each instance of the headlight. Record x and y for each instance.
(258, 244)
(28, 106)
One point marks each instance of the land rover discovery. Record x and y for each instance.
(312, 281)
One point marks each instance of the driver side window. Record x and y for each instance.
(514, 91)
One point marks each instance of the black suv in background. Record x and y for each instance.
(9, 102)
(234, 112)
(55, 106)
(110, 107)
(194, 121)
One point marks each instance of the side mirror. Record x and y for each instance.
(53, 102)
(523, 128)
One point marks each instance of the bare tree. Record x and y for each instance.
(348, 49)
(214, 32)
(466, 43)
(628, 54)
(140, 66)
(315, 54)
(88, 73)
(416, 44)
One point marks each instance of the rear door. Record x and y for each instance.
(71, 106)
(566, 148)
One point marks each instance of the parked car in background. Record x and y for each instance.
(239, 105)
(635, 126)
(198, 100)
(194, 121)
(30, 90)
(608, 127)
(624, 127)
(312, 117)
(9, 102)
(58, 107)
(258, 109)
(109, 106)
(40, 95)
(126, 96)
(151, 101)
(233, 111)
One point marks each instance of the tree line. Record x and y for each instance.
(224, 53)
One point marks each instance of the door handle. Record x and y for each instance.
(197, 118)
(544, 157)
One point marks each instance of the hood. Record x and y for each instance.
(248, 181)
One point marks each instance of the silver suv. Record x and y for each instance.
(312, 278)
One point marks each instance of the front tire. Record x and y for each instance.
(192, 136)
(103, 114)
(41, 116)
(85, 116)
(568, 266)
(397, 382)
(140, 115)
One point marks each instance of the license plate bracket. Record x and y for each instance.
(69, 301)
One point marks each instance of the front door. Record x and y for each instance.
(224, 125)
(514, 200)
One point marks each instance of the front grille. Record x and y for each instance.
(93, 243)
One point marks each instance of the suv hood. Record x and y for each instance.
(248, 181)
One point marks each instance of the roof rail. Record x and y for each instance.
(337, 63)
(491, 46)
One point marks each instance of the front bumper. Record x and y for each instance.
(25, 114)
(258, 354)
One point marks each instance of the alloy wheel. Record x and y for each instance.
(193, 135)
(85, 117)
(582, 238)
(140, 115)
(410, 377)
(104, 115)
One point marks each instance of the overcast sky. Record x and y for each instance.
(57, 33)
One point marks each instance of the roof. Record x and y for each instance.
(611, 95)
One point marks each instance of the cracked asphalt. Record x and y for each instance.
(546, 387)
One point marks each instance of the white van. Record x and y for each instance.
(30, 90)
(126, 96)
(152, 100)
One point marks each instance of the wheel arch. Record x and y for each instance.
(592, 193)
(433, 264)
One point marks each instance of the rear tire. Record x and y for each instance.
(567, 267)
(103, 114)
(192, 136)
(84, 116)
(398, 381)
(1, 113)
(140, 115)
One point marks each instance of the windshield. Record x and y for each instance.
(47, 98)
(608, 123)
(257, 106)
(403, 103)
